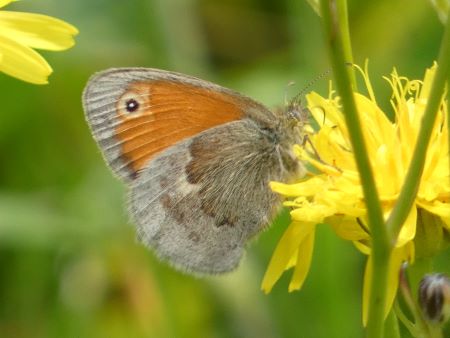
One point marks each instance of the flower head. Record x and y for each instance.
(335, 196)
(20, 33)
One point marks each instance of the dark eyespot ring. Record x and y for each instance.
(131, 105)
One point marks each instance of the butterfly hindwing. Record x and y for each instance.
(197, 205)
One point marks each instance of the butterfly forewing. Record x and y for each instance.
(136, 113)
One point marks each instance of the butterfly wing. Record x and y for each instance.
(199, 202)
(196, 156)
(135, 113)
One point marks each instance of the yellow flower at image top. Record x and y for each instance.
(334, 196)
(20, 33)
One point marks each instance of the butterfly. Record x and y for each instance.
(197, 159)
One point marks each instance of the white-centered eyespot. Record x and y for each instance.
(131, 104)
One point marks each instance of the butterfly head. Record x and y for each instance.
(294, 118)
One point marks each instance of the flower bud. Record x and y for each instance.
(434, 297)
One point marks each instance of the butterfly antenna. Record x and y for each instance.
(298, 98)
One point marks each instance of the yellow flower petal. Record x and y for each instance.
(365, 249)
(37, 31)
(347, 228)
(293, 261)
(398, 257)
(23, 62)
(342, 203)
(323, 167)
(326, 112)
(303, 262)
(306, 188)
(440, 209)
(408, 230)
(313, 213)
(3, 3)
(20, 33)
(428, 81)
(286, 248)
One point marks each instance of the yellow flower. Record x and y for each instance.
(20, 33)
(335, 197)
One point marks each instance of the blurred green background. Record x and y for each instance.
(69, 262)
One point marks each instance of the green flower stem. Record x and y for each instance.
(448, 106)
(380, 238)
(391, 328)
(420, 328)
(412, 181)
(405, 320)
(344, 28)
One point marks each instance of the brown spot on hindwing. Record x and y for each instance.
(203, 158)
(206, 169)
(169, 205)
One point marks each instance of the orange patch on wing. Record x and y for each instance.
(171, 112)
